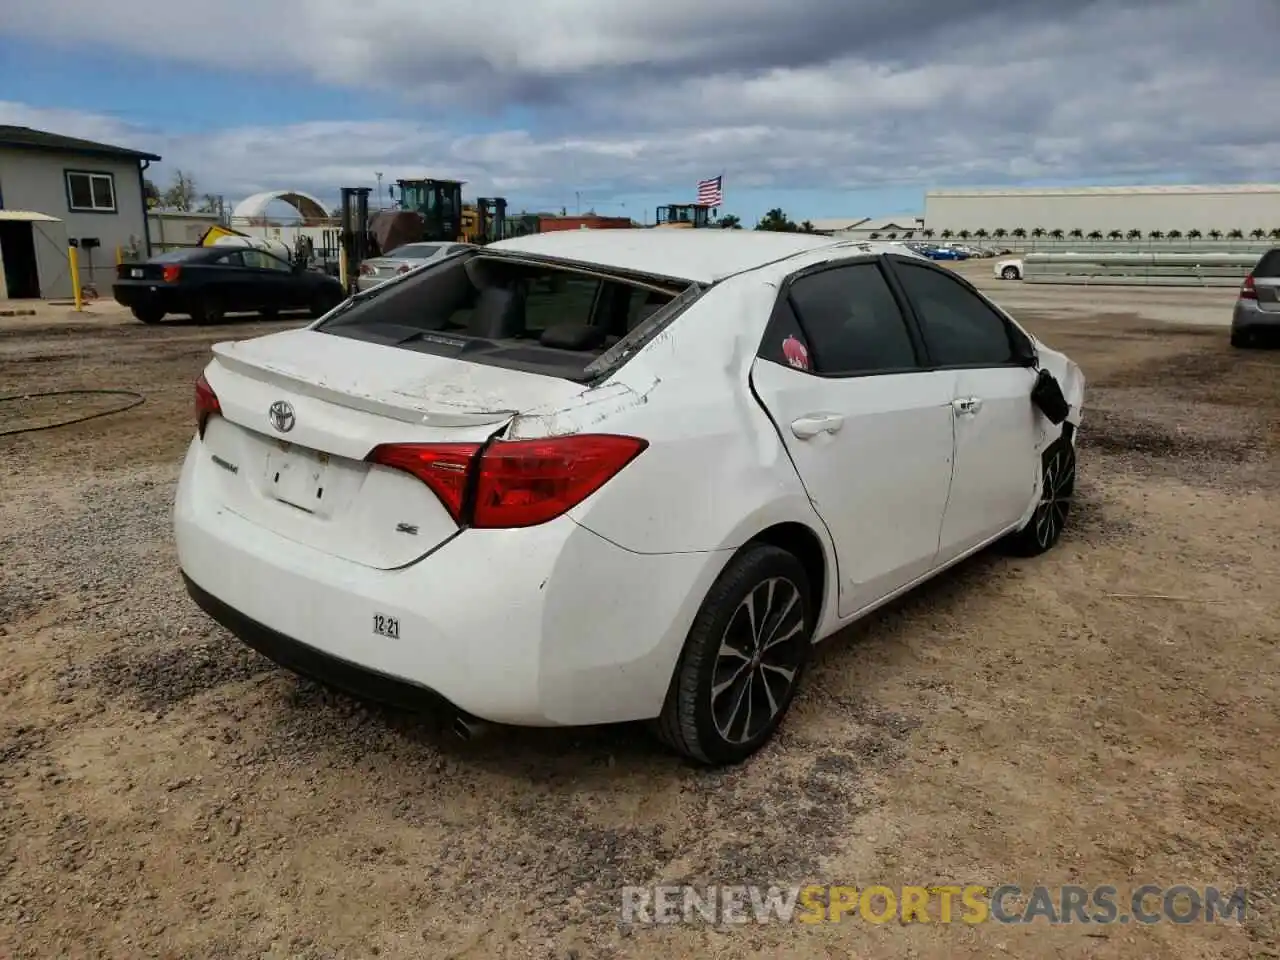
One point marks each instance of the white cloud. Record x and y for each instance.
(642, 97)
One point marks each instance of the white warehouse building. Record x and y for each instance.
(1245, 207)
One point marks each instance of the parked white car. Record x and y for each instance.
(578, 478)
(1009, 269)
(402, 259)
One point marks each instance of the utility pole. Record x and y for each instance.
(577, 196)
(379, 176)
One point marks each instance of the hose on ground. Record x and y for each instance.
(135, 399)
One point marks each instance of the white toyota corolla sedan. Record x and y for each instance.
(600, 476)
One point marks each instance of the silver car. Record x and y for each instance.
(402, 259)
(1258, 306)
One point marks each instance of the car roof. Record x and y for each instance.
(693, 255)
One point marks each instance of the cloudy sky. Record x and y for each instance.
(825, 107)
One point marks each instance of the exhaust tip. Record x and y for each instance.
(467, 729)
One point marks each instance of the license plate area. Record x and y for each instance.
(136, 273)
(298, 476)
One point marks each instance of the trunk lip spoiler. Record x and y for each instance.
(403, 411)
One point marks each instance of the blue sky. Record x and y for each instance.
(823, 109)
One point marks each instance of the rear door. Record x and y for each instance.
(1266, 281)
(997, 430)
(869, 430)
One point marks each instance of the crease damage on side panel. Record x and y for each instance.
(589, 408)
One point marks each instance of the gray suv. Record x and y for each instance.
(1258, 306)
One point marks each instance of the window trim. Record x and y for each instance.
(108, 175)
(1010, 331)
(909, 320)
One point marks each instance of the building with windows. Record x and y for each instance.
(95, 190)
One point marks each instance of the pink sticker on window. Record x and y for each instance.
(797, 353)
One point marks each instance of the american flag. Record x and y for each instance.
(711, 192)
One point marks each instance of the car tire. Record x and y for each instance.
(1057, 488)
(720, 709)
(1009, 273)
(1242, 338)
(147, 315)
(209, 310)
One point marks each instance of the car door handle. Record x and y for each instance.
(966, 406)
(807, 427)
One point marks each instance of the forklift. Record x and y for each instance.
(438, 202)
(358, 243)
(492, 219)
(683, 216)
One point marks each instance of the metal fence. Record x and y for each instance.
(1139, 269)
(1202, 245)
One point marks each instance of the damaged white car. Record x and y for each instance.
(588, 477)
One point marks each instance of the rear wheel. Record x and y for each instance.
(742, 660)
(209, 310)
(323, 302)
(1057, 488)
(1009, 273)
(1242, 337)
(148, 314)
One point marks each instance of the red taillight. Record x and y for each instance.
(518, 483)
(441, 466)
(206, 403)
(171, 273)
(1247, 290)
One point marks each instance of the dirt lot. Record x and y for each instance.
(1105, 714)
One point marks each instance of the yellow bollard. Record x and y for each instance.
(119, 255)
(73, 257)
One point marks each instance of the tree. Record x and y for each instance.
(893, 236)
(1000, 233)
(1095, 234)
(1020, 233)
(1194, 234)
(1235, 235)
(729, 222)
(1259, 234)
(776, 221)
(210, 203)
(1133, 235)
(964, 234)
(1056, 233)
(981, 233)
(150, 193)
(1115, 235)
(927, 234)
(1275, 234)
(1215, 234)
(806, 226)
(875, 236)
(181, 194)
(1155, 235)
(947, 234)
(1174, 234)
(1077, 234)
(1038, 232)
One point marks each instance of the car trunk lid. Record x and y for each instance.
(301, 411)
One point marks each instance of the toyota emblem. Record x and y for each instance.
(281, 416)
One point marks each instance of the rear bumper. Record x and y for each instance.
(138, 294)
(1249, 316)
(545, 626)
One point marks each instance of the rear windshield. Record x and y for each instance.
(1269, 265)
(523, 314)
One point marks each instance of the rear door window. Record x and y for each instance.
(843, 321)
(960, 328)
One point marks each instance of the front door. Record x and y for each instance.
(869, 431)
(997, 429)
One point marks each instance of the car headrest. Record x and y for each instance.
(498, 313)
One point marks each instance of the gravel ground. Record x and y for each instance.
(165, 792)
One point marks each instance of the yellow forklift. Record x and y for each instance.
(683, 216)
